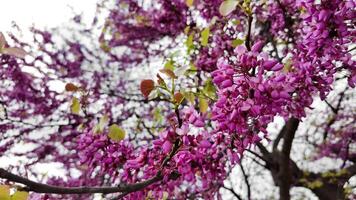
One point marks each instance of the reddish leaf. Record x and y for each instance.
(14, 51)
(169, 73)
(2, 41)
(178, 97)
(160, 80)
(70, 87)
(146, 87)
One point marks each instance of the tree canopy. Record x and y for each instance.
(163, 99)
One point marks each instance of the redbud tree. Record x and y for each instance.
(162, 99)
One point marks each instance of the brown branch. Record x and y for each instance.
(45, 188)
(335, 110)
(248, 37)
(125, 189)
(285, 171)
(290, 126)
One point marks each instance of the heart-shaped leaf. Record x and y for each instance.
(75, 107)
(178, 97)
(204, 38)
(227, 7)
(146, 87)
(237, 42)
(116, 133)
(70, 87)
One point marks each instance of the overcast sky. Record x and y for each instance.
(49, 13)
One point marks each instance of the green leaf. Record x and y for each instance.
(204, 38)
(75, 107)
(209, 89)
(236, 22)
(169, 65)
(99, 128)
(190, 97)
(19, 195)
(189, 42)
(4, 192)
(203, 105)
(157, 115)
(116, 133)
(186, 30)
(191, 70)
(165, 195)
(227, 7)
(105, 47)
(237, 42)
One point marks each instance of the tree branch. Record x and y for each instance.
(246, 182)
(233, 192)
(285, 175)
(45, 188)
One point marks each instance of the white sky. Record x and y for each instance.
(41, 13)
(49, 13)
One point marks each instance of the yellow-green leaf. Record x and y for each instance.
(203, 105)
(189, 2)
(237, 42)
(169, 65)
(204, 38)
(99, 128)
(116, 133)
(189, 42)
(209, 89)
(105, 47)
(236, 21)
(227, 7)
(165, 195)
(192, 69)
(4, 192)
(190, 97)
(157, 115)
(75, 107)
(186, 30)
(19, 195)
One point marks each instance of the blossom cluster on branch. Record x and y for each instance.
(226, 70)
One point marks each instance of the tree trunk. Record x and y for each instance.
(329, 192)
